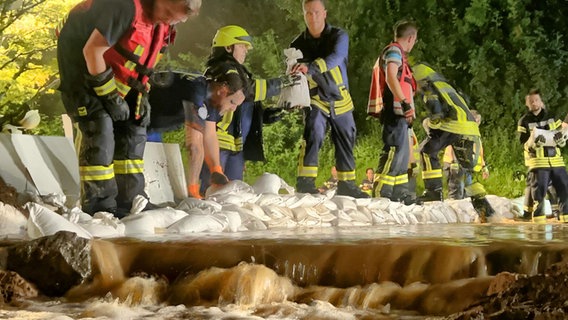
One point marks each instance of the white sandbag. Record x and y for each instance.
(147, 222)
(345, 203)
(200, 222)
(298, 95)
(12, 221)
(271, 183)
(104, 225)
(189, 203)
(233, 187)
(547, 134)
(44, 222)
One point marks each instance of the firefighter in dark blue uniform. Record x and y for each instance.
(543, 158)
(106, 50)
(325, 52)
(199, 102)
(240, 132)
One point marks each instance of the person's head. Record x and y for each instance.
(232, 40)
(227, 84)
(174, 11)
(314, 16)
(370, 174)
(406, 34)
(476, 115)
(533, 101)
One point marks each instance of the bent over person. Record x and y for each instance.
(106, 51)
(451, 123)
(325, 49)
(199, 102)
(240, 132)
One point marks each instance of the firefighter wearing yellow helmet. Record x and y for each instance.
(230, 35)
(240, 132)
(451, 123)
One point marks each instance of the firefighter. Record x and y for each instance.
(456, 176)
(240, 132)
(199, 102)
(543, 157)
(325, 54)
(106, 50)
(392, 100)
(451, 123)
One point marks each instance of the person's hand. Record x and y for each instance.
(485, 172)
(539, 141)
(290, 80)
(299, 67)
(145, 110)
(105, 89)
(193, 191)
(560, 139)
(408, 111)
(436, 119)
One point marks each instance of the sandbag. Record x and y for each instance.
(12, 221)
(44, 222)
(298, 95)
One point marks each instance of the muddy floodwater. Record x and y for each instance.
(382, 272)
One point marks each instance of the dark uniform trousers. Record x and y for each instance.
(343, 134)
(540, 179)
(110, 163)
(466, 152)
(392, 171)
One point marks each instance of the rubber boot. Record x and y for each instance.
(483, 208)
(306, 185)
(349, 188)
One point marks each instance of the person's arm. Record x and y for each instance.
(195, 155)
(211, 146)
(523, 131)
(338, 54)
(565, 122)
(392, 81)
(93, 51)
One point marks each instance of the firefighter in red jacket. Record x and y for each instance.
(106, 50)
(391, 99)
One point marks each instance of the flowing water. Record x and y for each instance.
(379, 272)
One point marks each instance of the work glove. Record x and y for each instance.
(217, 177)
(560, 139)
(407, 109)
(413, 170)
(289, 80)
(539, 141)
(144, 113)
(193, 191)
(104, 86)
(271, 115)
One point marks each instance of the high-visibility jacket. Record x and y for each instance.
(135, 54)
(378, 83)
(441, 98)
(327, 57)
(539, 157)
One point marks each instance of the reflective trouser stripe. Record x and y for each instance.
(96, 173)
(129, 166)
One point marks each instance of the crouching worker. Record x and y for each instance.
(451, 123)
(199, 102)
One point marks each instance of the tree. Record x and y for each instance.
(28, 69)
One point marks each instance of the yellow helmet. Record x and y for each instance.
(230, 35)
